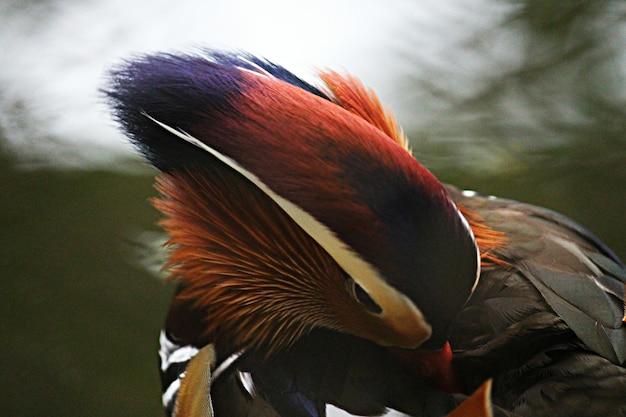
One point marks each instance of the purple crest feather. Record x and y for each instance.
(180, 90)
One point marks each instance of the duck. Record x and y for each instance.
(320, 269)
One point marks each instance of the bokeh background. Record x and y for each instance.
(522, 99)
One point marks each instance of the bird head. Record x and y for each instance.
(290, 207)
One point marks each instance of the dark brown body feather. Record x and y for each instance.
(544, 363)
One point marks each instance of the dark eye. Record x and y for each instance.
(365, 299)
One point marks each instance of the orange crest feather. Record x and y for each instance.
(260, 280)
(487, 239)
(350, 93)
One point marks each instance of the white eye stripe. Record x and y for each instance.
(407, 326)
(359, 269)
(469, 193)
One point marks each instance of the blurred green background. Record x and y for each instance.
(80, 315)
(80, 318)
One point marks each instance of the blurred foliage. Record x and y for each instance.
(534, 111)
(80, 321)
(542, 76)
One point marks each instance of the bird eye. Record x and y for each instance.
(364, 298)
